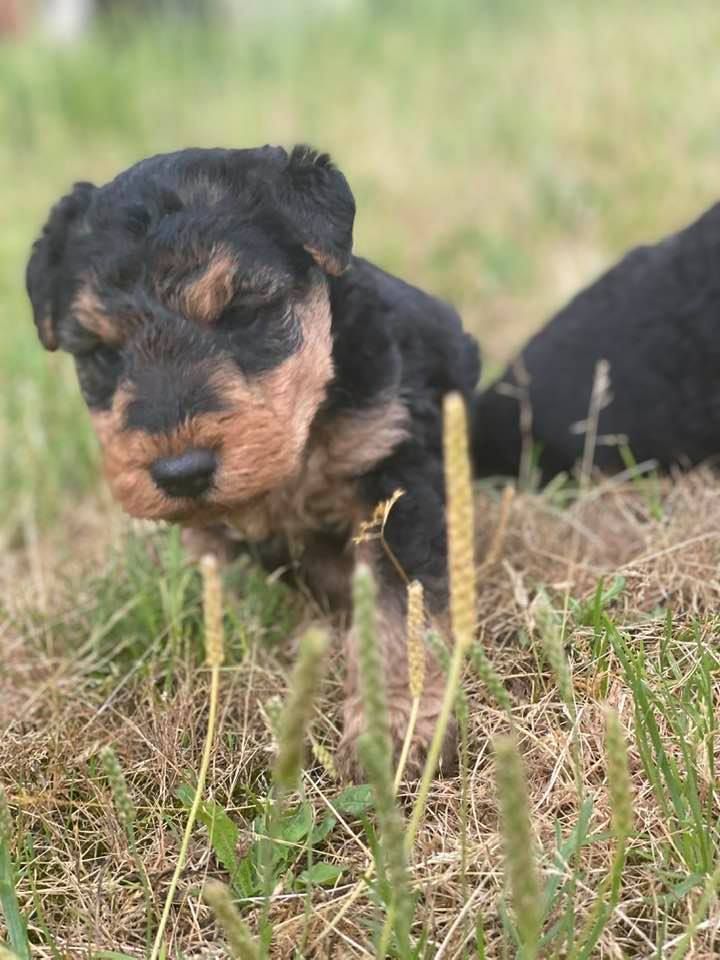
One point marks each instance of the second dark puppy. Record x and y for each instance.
(250, 379)
(655, 317)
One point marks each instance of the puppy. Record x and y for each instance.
(654, 317)
(252, 380)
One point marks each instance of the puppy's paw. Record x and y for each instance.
(420, 745)
(349, 761)
(347, 758)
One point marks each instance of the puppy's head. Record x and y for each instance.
(192, 293)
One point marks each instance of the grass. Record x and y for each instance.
(501, 154)
(643, 644)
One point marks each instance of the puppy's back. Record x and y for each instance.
(655, 317)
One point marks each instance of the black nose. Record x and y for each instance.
(188, 475)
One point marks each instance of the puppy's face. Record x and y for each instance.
(192, 294)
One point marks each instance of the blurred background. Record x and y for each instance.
(502, 152)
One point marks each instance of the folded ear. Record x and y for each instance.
(46, 278)
(314, 198)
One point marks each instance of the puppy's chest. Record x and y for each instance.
(324, 496)
(317, 501)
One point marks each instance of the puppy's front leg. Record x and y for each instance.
(413, 547)
(392, 640)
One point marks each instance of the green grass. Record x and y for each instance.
(9, 908)
(149, 701)
(501, 153)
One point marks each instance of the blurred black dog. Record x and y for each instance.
(250, 379)
(655, 317)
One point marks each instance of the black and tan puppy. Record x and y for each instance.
(655, 317)
(250, 379)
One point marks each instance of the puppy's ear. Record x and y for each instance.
(45, 277)
(314, 198)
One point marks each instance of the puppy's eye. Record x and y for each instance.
(246, 313)
(99, 369)
(239, 316)
(103, 356)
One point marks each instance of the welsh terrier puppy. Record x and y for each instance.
(252, 380)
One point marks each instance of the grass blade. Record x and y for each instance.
(241, 944)
(214, 647)
(377, 758)
(16, 928)
(518, 845)
(461, 569)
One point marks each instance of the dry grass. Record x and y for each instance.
(61, 704)
(501, 154)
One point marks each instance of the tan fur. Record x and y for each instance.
(204, 299)
(88, 310)
(260, 437)
(326, 569)
(282, 471)
(323, 496)
(321, 504)
(393, 642)
(48, 334)
(328, 263)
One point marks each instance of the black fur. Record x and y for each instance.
(287, 218)
(50, 272)
(158, 221)
(392, 339)
(655, 317)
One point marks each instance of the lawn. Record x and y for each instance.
(501, 154)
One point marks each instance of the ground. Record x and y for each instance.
(501, 154)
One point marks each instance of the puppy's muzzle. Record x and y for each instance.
(188, 475)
